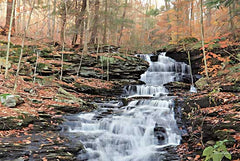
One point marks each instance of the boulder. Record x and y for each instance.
(9, 100)
(160, 134)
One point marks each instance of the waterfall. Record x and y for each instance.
(140, 130)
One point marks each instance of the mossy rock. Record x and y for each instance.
(17, 51)
(202, 83)
(14, 59)
(27, 119)
(188, 40)
(104, 60)
(42, 66)
(2, 53)
(223, 134)
(11, 123)
(196, 46)
(26, 70)
(213, 46)
(32, 59)
(171, 47)
(46, 51)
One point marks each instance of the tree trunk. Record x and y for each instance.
(64, 19)
(85, 46)
(23, 15)
(18, 16)
(22, 46)
(105, 23)
(79, 19)
(63, 39)
(177, 8)
(81, 33)
(202, 35)
(9, 37)
(122, 26)
(95, 23)
(49, 20)
(209, 16)
(10, 14)
(231, 23)
(191, 23)
(53, 19)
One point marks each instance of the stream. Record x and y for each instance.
(144, 130)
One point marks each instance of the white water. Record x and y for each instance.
(128, 133)
(193, 89)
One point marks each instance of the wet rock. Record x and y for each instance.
(160, 134)
(188, 79)
(154, 58)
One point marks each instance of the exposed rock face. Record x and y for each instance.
(196, 55)
(119, 66)
(180, 56)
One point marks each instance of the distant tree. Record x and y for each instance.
(232, 11)
(105, 22)
(9, 36)
(95, 23)
(80, 9)
(202, 37)
(22, 45)
(122, 26)
(10, 8)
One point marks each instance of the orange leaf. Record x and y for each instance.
(44, 159)
(197, 157)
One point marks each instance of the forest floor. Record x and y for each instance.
(31, 130)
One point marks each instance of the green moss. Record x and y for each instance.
(201, 83)
(170, 47)
(213, 46)
(32, 59)
(46, 51)
(110, 60)
(188, 40)
(26, 119)
(196, 46)
(14, 59)
(65, 66)
(42, 66)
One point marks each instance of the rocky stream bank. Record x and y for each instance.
(212, 114)
(31, 128)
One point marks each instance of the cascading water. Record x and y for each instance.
(140, 130)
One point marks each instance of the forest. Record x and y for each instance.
(119, 80)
